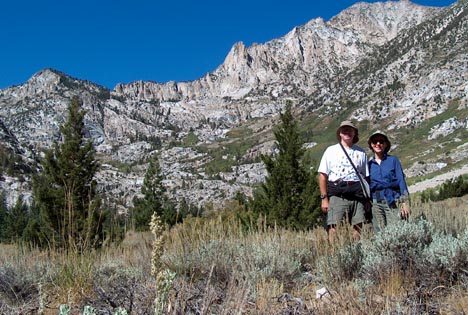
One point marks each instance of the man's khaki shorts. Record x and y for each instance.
(341, 208)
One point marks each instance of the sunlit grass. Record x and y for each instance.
(222, 267)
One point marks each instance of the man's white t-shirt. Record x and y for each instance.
(336, 165)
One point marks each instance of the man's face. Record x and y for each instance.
(347, 133)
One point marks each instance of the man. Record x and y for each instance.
(340, 189)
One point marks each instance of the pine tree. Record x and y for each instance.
(153, 197)
(288, 196)
(66, 189)
(16, 220)
(3, 216)
(33, 233)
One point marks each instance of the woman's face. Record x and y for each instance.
(379, 144)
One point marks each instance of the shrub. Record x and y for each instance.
(397, 247)
(342, 266)
(444, 261)
(456, 187)
(17, 286)
(224, 250)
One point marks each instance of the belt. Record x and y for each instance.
(344, 183)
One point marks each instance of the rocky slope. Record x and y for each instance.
(389, 65)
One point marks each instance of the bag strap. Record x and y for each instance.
(357, 172)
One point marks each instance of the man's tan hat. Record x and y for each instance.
(347, 123)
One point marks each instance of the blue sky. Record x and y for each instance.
(120, 41)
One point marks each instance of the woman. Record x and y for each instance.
(387, 183)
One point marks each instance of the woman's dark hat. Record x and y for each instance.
(379, 134)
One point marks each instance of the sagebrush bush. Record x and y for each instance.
(444, 261)
(397, 247)
(247, 257)
(227, 252)
(16, 286)
(118, 286)
(343, 265)
(420, 256)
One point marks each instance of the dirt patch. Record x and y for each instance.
(437, 180)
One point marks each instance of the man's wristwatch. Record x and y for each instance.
(323, 196)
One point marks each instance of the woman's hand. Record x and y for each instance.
(404, 210)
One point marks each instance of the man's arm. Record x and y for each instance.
(323, 191)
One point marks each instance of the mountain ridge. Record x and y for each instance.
(209, 132)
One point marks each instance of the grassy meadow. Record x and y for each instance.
(217, 266)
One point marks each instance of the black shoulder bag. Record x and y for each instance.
(365, 189)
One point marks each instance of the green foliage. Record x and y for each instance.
(289, 195)
(3, 216)
(20, 224)
(186, 209)
(398, 245)
(344, 265)
(415, 250)
(66, 189)
(11, 163)
(456, 187)
(154, 199)
(114, 223)
(445, 260)
(33, 231)
(16, 221)
(191, 139)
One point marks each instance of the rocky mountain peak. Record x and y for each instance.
(382, 21)
(46, 77)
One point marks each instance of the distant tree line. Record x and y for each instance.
(456, 187)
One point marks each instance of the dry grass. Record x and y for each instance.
(223, 268)
(450, 216)
(456, 303)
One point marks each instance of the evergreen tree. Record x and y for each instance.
(153, 197)
(33, 233)
(66, 190)
(16, 221)
(114, 223)
(3, 216)
(289, 195)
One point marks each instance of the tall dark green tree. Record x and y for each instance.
(3, 216)
(289, 195)
(16, 220)
(66, 190)
(33, 231)
(153, 196)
